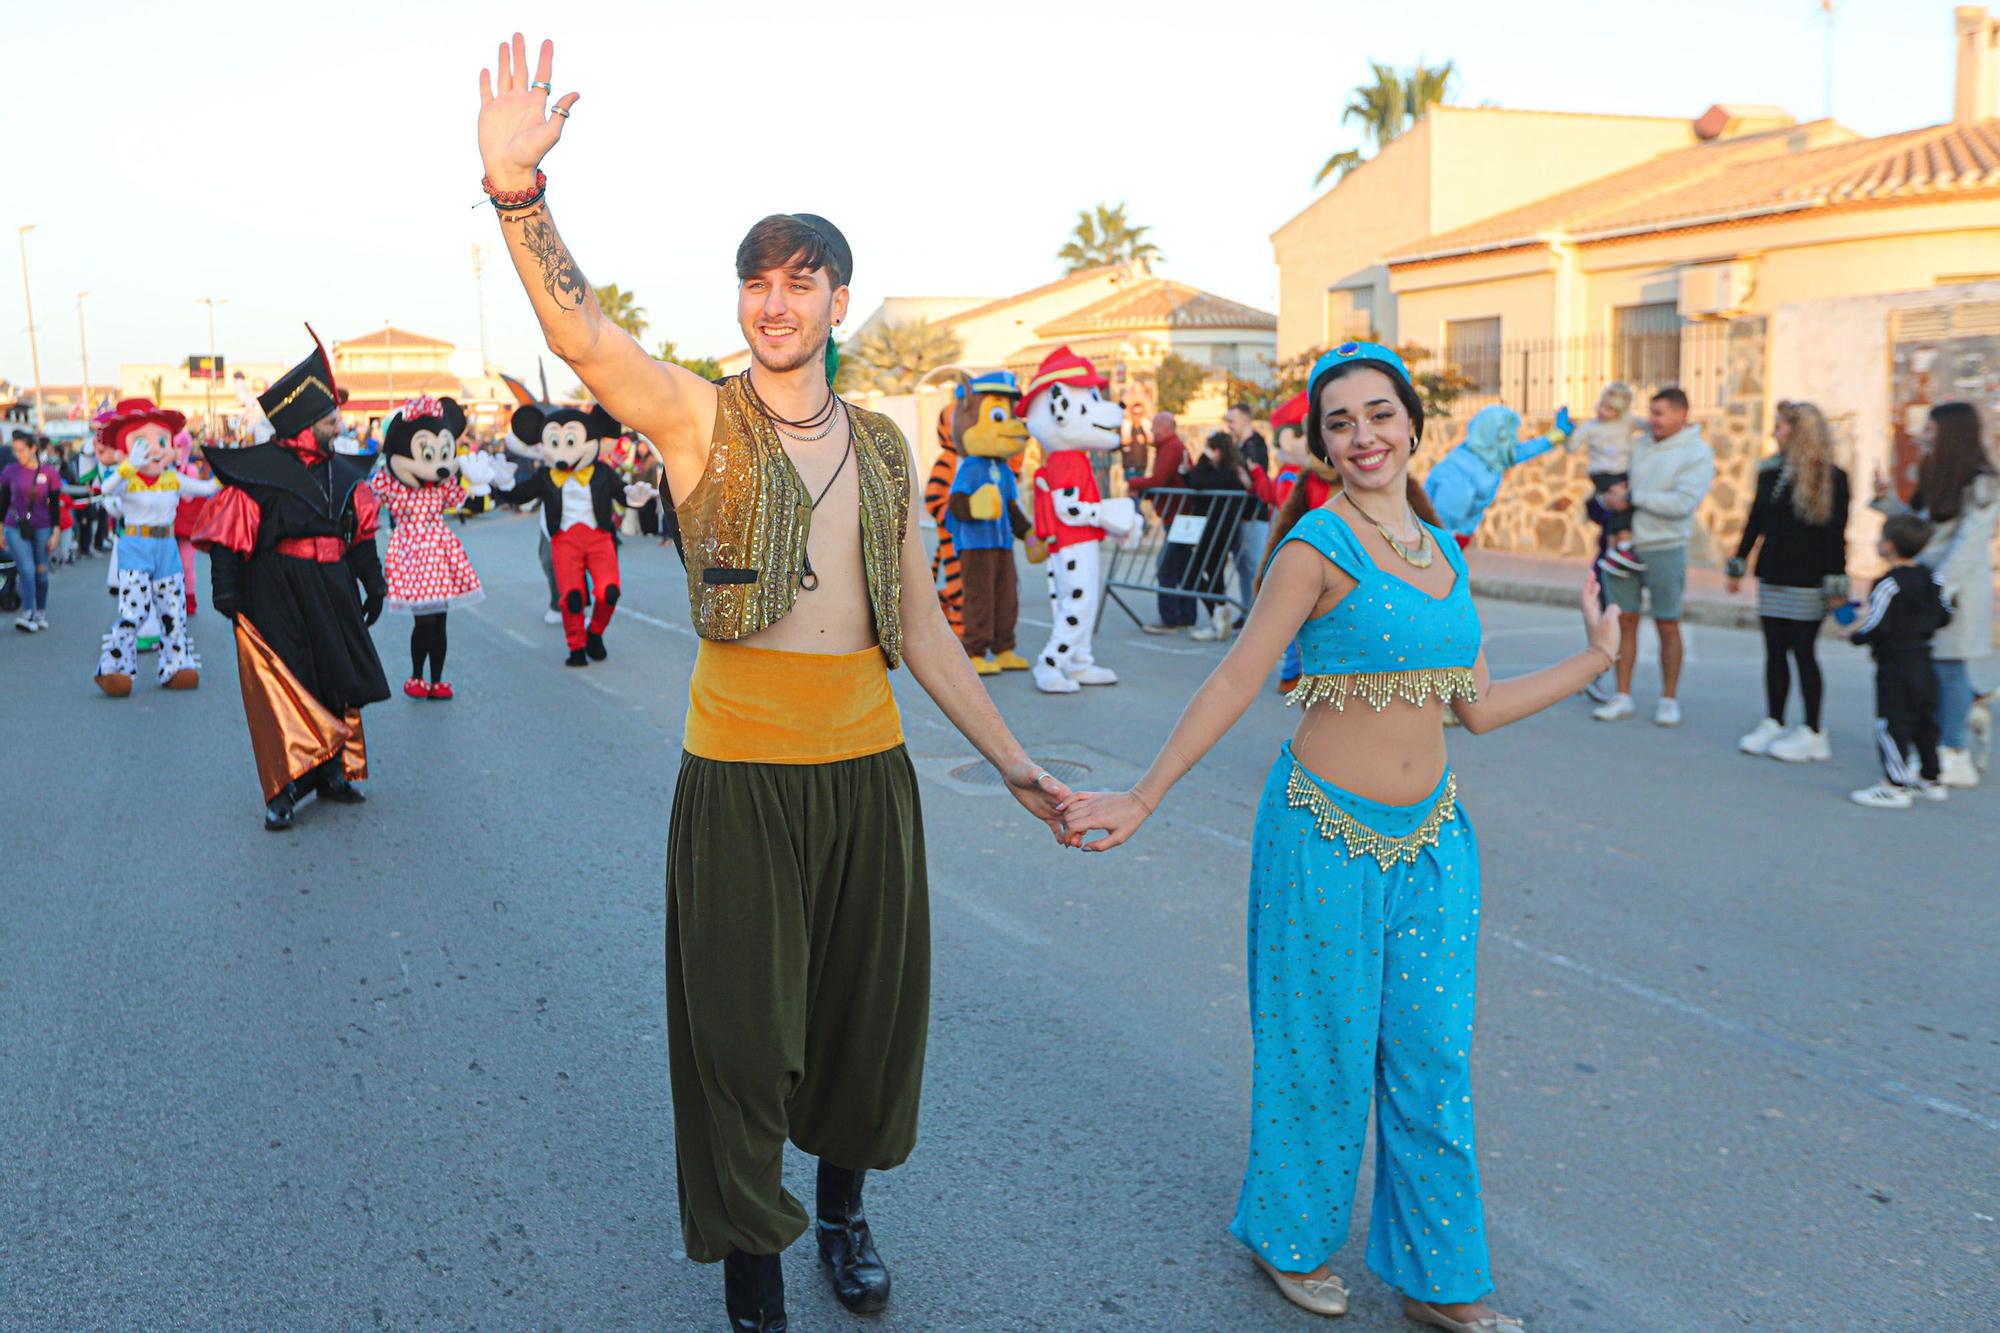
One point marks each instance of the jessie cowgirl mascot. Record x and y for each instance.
(427, 570)
(579, 494)
(292, 560)
(1364, 872)
(152, 585)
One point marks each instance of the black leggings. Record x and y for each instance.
(1796, 639)
(427, 640)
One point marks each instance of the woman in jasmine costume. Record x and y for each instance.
(1364, 877)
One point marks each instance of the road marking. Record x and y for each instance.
(519, 637)
(657, 623)
(1805, 1058)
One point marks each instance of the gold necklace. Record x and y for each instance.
(1425, 552)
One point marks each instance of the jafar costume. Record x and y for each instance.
(291, 543)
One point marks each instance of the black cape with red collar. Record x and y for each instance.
(309, 613)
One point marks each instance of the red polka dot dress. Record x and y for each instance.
(427, 568)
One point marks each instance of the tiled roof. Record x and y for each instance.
(1066, 280)
(390, 337)
(1779, 171)
(1159, 303)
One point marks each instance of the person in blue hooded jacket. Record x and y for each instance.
(1464, 482)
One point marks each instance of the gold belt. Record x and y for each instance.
(1302, 793)
(135, 530)
(1379, 688)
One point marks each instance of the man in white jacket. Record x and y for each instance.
(1671, 473)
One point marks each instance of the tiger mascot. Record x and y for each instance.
(946, 576)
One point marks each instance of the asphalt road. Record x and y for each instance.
(1738, 1063)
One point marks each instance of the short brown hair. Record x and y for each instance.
(1907, 534)
(1672, 395)
(795, 241)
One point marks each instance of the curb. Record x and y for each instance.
(1694, 611)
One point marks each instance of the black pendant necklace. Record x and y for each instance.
(808, 579)
(812, 421)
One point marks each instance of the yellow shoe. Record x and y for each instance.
(986, 666)
(1012, 661)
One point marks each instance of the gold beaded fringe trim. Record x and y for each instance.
(1302, 793)
(1379, 687)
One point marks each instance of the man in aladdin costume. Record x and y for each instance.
(292, 559)
(797, 912)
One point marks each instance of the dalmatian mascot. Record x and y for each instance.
(1069, 416)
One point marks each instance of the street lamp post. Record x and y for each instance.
(34, 354)
(83, 347)
(208, 417)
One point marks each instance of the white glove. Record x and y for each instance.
(638, 494)
(1120, 518)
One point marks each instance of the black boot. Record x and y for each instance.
(594, 645)
(278, 810)
(860, 1278)
(576, 658)
(753, 1287)
(333, 786)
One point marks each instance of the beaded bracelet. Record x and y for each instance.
(515, 198)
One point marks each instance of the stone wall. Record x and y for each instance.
(1540, 508)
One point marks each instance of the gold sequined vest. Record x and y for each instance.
(745, 525)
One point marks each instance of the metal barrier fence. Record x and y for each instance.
(1187, 551)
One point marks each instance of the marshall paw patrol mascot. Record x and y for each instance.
(579, 495)
(1069, 416)
(984, 518)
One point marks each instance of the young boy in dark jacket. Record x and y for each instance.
(1908, 605)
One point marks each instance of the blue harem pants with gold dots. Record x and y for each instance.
(1364, 922)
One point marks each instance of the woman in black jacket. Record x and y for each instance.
(1800, 517)
(1222, 469)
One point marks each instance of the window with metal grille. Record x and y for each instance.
(1473, 346)
(1646, 344)
(1350, 314)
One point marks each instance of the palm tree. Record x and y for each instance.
(1387, 107)
(891, 358)
(1103, 235)
(622, 308)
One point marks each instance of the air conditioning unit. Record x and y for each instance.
(1714, 291)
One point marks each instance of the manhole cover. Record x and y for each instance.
(982, 774)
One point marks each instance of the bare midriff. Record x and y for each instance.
(1396, 756)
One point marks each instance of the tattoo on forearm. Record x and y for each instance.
(561, 278)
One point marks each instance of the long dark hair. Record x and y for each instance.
(1294, 507)
(1232, 454)
(1957, 458)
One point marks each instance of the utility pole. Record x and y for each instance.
(208, 418)
(479, 280)
(34, 354)
(83, 346)
(1826, 111)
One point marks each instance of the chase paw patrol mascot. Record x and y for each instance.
(1069, 416)
(1464, 482)
(984, 518)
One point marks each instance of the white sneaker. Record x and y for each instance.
(1802, 745)
(1930, 791)
(552, 617)
(41, 620)
(1667, 713)
(1619, 706)
(25, 622)
(1758, 741)
(1597, 691)
(1955, 768)
(1882, 796)
(1209, 632)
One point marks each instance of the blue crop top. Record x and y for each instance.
(1387, 639)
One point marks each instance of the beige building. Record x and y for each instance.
(169, 384)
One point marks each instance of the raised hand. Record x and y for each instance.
(1600, 623)
(517, 128)
(1117, 813)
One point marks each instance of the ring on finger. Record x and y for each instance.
(542, 84)
(562, 111)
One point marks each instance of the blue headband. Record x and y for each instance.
(1359, 351)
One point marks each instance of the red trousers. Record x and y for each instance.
(579, 553)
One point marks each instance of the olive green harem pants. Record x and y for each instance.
(798, 983)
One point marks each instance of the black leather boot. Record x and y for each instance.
(278, 810)
(753, 1287)
(860, 1278)
(332, 785)
(593, 645)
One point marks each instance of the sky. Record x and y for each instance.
(331, 173)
